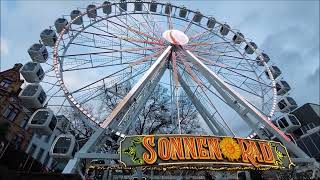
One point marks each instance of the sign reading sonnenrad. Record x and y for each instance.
(188, 150)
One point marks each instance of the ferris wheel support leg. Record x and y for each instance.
(100, 134)
(245, 108)
(114, 118)
(146, 93)
(213, 125)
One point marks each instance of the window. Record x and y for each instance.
(24, 122)
(32, 149)
(294, 120)
(281, 124)
(40, 73)
(311, 125)
(42, 97)
(17, 141)
(10, 113)
(284, 122)
(282, 104)
(40, 154)
(304, 129)
(53, 123)
(5, 83)
(62, 145)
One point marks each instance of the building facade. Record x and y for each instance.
(308, 136)
(13, 119)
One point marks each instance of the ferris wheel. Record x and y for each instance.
(123, 50)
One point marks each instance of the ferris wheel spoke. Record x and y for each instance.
(136, 40)
(220, 53)
(241, 83)
(230, 82)
(169, 18)
(187, 27)
(221, 64)
(189, 70)
(106, 62)
(199, 35)
(99, 80)
(213, 52)
(138, 32)
(131, 29)
(207, 32)
(148, 28)
(157, 28)
(129, 50)
(235, 71)
(146, 58)
(203, 84)
(113, 35)
(207, 43)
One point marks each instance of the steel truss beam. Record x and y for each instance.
(141, 101)
(210, 120)
(116, 115)
(243, 107)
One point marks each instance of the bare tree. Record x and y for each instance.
(158, 115)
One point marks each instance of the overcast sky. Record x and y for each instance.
(287, 30)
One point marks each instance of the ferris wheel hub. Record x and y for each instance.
(175, 37)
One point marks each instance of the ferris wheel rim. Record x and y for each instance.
(71, 99)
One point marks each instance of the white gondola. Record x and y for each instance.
(238, 38)
(224, 30)
(43, 122)
(287, 104)
(288, 123)
(32, 72)
(183, 12)
(282, 87)
(92, 11)
(138, 5)
(197, 17)
(168, 8)
(153, 6)
(123, 5)
(250, 50)
(106, 7)
(60, 24)
(211, 22)
(32, 96)
(48, 37)
(63, 147)
(266, 59)
(38, 53)
(74, 14)
(275, 71)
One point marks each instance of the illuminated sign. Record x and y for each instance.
(214, 151)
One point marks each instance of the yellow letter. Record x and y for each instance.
(148, 143)
(190, 148)
(201, 143)
(164, 148)
(176, 148)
